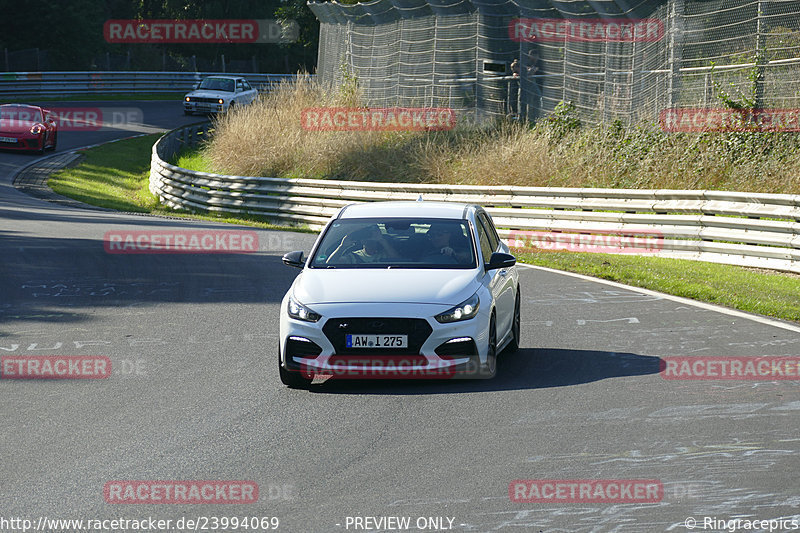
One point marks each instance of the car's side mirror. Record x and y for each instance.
(196, 86)
(500, 260)
(294, 259)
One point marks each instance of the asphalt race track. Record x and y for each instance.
(194, 395)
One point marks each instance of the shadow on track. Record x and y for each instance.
(529, 368)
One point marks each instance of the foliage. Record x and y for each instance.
(72, 31)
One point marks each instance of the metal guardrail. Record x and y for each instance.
(747, 229)
(24, 84)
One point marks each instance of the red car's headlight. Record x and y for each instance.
(37, 129)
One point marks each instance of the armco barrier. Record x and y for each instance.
(32, 84)
(747, 229)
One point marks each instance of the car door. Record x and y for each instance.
(492, 279)
(240, 97)
(250, 93)
(502, 281)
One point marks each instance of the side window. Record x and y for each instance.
(485, 244)
(494, 240)
(246, 86)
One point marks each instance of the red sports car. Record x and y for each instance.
(27, 127)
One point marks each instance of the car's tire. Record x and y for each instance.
(516, 326)
(293, 380)
(489, 369)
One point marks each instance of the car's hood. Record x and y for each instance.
(210, 94)
(16, 126)
(357, 285)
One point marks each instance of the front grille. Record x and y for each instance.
(204, 100)
(417, 329)
(372, 360)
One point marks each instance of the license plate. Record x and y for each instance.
(8, 140)
(372, 340)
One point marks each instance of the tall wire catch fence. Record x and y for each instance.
(613, 59)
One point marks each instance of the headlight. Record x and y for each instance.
(188, 99)
(463, 311)
(37, 129)
(299, 311)
(221, 101)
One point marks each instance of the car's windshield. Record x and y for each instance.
(396, 243)
(20, 113)
(217, 84)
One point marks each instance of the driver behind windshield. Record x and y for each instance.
(374, 247)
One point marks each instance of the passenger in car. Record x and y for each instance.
(443, 244)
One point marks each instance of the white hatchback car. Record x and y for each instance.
(218, 94)
(400, 290)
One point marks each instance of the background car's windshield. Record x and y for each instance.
(397, 243)
(20, 113)
(217, 84)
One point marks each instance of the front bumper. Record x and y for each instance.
(306, 348)
(21, 142)
(203, 107)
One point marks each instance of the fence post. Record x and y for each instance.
(761, 59)
(676, 11)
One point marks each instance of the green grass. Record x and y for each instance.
(192, 159)
(756, 291)
(117, 176)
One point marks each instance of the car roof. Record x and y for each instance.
(224, 77)
(398, 209)
(21, 105)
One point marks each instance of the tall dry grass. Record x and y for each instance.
(266, 139)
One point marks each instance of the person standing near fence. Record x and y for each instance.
(513, 89)
(531, 91)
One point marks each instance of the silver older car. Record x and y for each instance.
(218, 94)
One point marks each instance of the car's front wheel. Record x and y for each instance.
(293, 380)
(488, 370)
(516, 326)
